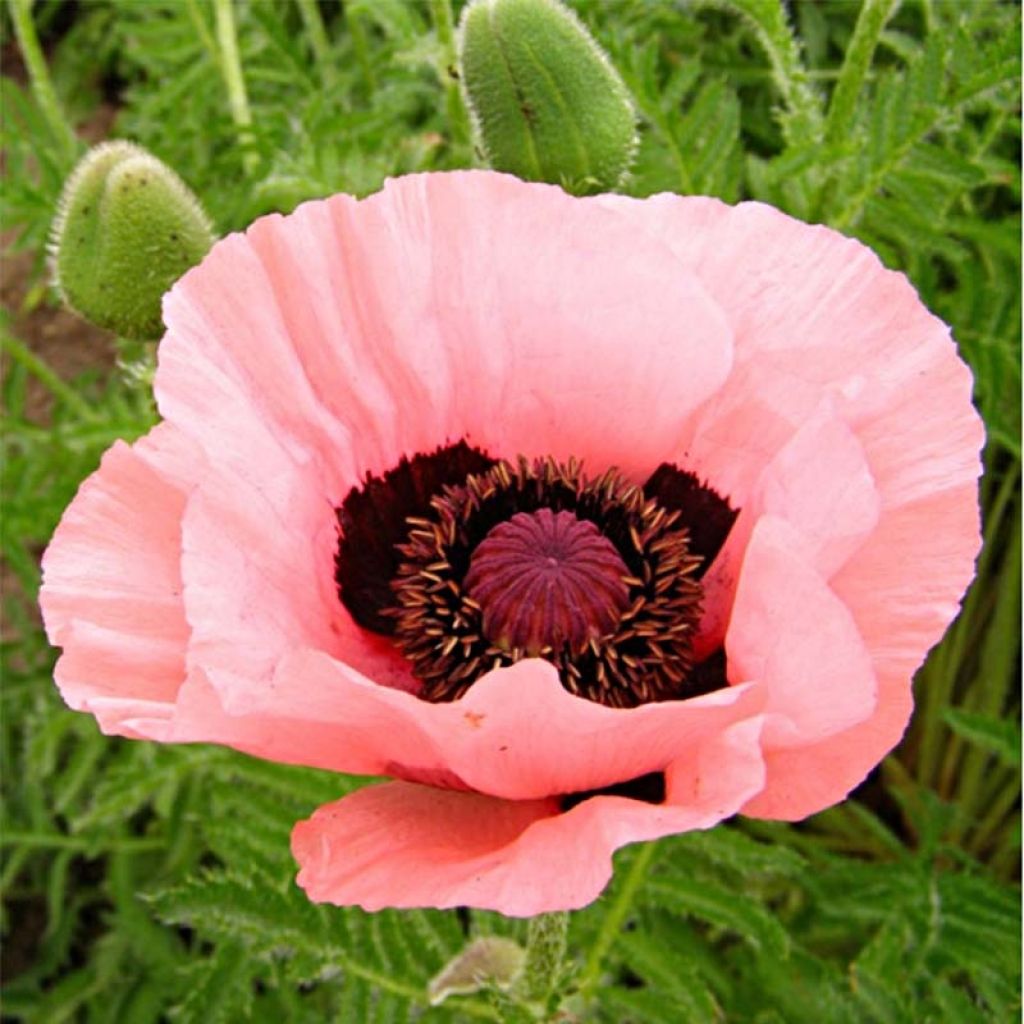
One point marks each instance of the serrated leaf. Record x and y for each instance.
(676, 983)
(721, 907)
(1000, 736)
(219, 988)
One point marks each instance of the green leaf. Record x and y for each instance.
(721, 907)
(1000, 736)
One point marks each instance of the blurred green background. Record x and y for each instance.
(143, 883)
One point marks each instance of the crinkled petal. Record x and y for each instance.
(111, 594)
(907, 615)
(464, 304)
(507, 737)
(815, 313)
(816, 317)
(324, 345)
(793, 635)
(819, 483)
(407, 845)
(898, 615)
(257, 565)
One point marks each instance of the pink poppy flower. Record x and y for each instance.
(693, 490)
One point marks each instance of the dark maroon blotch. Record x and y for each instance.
(703, 511)
(372, 520)
(709, 675)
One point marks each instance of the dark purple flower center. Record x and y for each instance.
(469, 563)
(546, 579)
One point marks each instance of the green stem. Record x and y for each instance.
(39, 76)
(938, 752)
(872, 19)
(444, 26)
(20, 353)
(56, 841)
(1000, 806)
(999, 653)
(231, 69)
(545, 956)
(803, 123)
(611, 926)
(202, 30)
(310, 11)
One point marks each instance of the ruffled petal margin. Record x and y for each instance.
(517, 734)
(817, 318)
(405, 845)
(111, 593)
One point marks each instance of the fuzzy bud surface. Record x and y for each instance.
(546, 103)
(127, 228)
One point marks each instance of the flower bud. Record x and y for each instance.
(491, 961)
(127, 228)
(546, 103)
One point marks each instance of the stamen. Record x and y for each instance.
(629, 649)
(703, 511)
(471, 564)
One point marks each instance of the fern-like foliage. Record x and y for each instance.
(147, 884)
(729, 928)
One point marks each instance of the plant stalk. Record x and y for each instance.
(870, 22)
(62, 391)
(545, 956)
(310, 11)
(231, 69)
(613, 920)
(361, 48)
(444, 26)
(39, 77)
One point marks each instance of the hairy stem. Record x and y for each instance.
(872, 19)
(231, 69)
(802, 124)
(39, 76)
(545, 956)
(613, 921)
(444, 26)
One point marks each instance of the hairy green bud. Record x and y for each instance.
(546, 103)
(127, 228)
(488, 962)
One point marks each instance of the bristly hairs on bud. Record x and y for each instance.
(519, 132)
(127, 227)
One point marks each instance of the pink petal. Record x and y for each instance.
(820, 484)
(330, 343)
(555, 343)
(898, 616)
(111, 594)
(815, 316)
(508, 736)
(407, 846)
(792, 634)
(446, 305)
